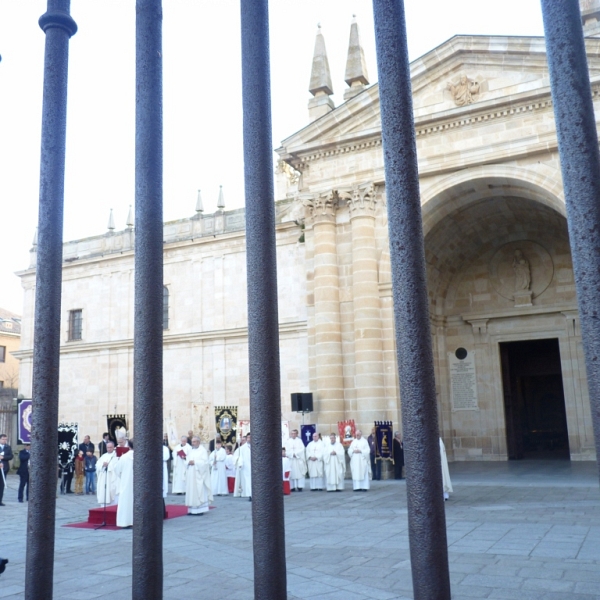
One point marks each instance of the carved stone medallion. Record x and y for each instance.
(521, 270)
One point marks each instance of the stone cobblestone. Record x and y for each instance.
(351, 546)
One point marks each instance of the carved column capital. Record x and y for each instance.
(321, 206)
(362, 200)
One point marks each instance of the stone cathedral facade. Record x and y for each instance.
(509, 364)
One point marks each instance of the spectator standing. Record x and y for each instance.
(90, 473)
(23, 472)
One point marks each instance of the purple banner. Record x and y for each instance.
(384, 437)
(306, 433)
(24, 417)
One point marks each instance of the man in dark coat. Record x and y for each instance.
(23, 472)
(398, 450)
(102, 445)
(6, 455)
(86, 446)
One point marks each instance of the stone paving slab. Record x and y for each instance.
(526, 531)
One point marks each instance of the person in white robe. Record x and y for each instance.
(245, 469)
(180, 453)
(198, 491)
(218, 475)
(237, 488)
(360, 462)
(230, 470)
(334, 465)
(446, 482)
(286, 468)
(108, 480)
(314, 460)
(295, 451)
(124, 470)
(166, 458)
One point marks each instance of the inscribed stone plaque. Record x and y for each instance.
(463, 380)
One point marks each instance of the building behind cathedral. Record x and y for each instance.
(509, 364)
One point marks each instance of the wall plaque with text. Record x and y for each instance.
(463, 380)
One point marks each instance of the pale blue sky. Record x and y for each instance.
(202, 99)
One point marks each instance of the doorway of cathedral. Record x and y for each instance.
(534, 401)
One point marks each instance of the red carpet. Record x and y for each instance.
(96, 517)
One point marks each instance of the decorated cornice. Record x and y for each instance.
(473, 114)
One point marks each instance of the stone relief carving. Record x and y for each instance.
(464, 92)
(292, 175)
(522, 271)
(320, 205)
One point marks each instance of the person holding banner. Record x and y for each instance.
(334, 463)
(360, 465)
(314, 459)
(294, 449)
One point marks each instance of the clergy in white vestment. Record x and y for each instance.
(446, 483)
(245, 469)
(124, 470)
(198, 492)
(360, 462)
(180, 453)
(237, 488)
(295, 451)
(314, 460)
(218, 475)
(166, 457)
(108, 480)
(334, 465)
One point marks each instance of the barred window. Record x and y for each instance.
(75, 324)
(165, 307)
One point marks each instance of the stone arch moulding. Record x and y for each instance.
(542, 184)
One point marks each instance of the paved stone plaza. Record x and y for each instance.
(527, 530)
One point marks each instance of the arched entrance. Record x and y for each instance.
(501, 288)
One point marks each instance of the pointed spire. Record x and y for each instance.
(221, 200)
(320, 81)
(356, 67)
(130, 218)
(111, 221)
(199, 205)
(35, 235)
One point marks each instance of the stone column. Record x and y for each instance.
(368, 349)
(329, 400)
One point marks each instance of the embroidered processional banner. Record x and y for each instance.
(24, 417)
(114, 422)
(67, 443)
(347, 431)
(383, 440)
(306, 433)
(226, 420)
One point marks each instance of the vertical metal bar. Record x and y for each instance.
(58, 26)
(263, 327)
(580, 166)
(426, 517)
(147, 577)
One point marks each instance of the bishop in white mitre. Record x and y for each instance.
(334, 465)
(198, 491)
(124, 470)
(180, 453)
(295, 451)
(314, 460)
(108, 479)
(360, 463)
(218, 473)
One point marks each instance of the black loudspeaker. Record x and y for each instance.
(307, 402)
(296, 402)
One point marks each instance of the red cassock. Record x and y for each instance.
(286, 484)
(231, 484)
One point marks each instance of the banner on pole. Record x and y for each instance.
(67, 443)
(114, 422)
(347, 431)
(306, 433)
(383, 440)
(24, 417)
(226, 421)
